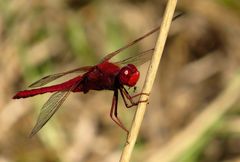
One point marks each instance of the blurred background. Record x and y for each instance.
(194, 110)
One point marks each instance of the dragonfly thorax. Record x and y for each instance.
(129, 75)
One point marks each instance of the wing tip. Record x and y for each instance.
(35, 84)
(33, 132)
(31, 135)
(38, 82)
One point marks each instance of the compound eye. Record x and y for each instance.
(129, 75)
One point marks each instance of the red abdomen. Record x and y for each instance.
(58, 87)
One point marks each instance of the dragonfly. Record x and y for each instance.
(106, 75)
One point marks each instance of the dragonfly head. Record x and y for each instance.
(129, 75)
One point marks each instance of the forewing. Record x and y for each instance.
(49, 108)
(47, 79)
(112, 54)
(138, 59)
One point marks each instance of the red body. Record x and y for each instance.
(99, 77)
(103, 76)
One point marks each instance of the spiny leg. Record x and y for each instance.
(125, 101)
(132, 103)
(136, 95)
(124, 93)
(114, 110)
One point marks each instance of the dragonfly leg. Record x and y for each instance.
(114, 112)
(125, 100)
(125, 94)
(136, 95)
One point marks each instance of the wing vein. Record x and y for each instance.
(50, 107)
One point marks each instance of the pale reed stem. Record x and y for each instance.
(153, 67)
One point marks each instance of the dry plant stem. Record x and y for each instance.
(132, 136)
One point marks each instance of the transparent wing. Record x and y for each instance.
(112, 54)
(47, 79)
(49, 108)
(138, 59)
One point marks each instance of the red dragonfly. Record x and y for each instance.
(104, 76)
